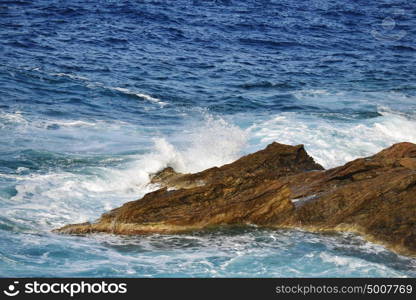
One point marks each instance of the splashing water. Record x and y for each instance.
(91, 107)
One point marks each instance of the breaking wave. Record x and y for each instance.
(332, 140)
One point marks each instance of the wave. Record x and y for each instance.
(220, 253)
(11, 118)
(58, 196)
(80, 193)
(335, 142)
(301, 94)
(67, 194)
(126, 91)
(140, 95)
(215, 143)
(19, 118)
(72, 76)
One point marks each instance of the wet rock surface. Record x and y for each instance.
(281, 186)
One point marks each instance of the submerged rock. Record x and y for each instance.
(281, 186)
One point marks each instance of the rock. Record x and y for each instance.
(271, 163)
(281, 186)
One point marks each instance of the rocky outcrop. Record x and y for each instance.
(281, 186)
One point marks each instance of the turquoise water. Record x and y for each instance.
(94, 97)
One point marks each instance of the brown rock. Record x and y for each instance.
(271, 163)
(281, 186)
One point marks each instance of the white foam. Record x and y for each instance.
(17, 118)
(79, 195)
(140, 95)
(13, 118)
(215, 143)
(71, 123)
(93, 84)
(61, 197)
(351, 265)
(72, 76)
(21, 169)
(333, 143)
(53, 199)
(301, 94)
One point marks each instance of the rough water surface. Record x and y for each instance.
(95, 96)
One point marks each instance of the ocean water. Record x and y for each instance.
(97, 95)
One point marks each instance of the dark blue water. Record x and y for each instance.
(95, 96)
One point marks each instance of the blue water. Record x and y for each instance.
(97, 95)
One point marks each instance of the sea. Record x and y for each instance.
(95, 96)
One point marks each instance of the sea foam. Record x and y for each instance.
(335, 142)
(82, 192)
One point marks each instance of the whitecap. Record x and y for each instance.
(333, 143)
(76, 195)
(212, 144)
(301, 94)
(140, 95)
(72, 76)
(94, 84)
(12, 118)
(69, 123)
